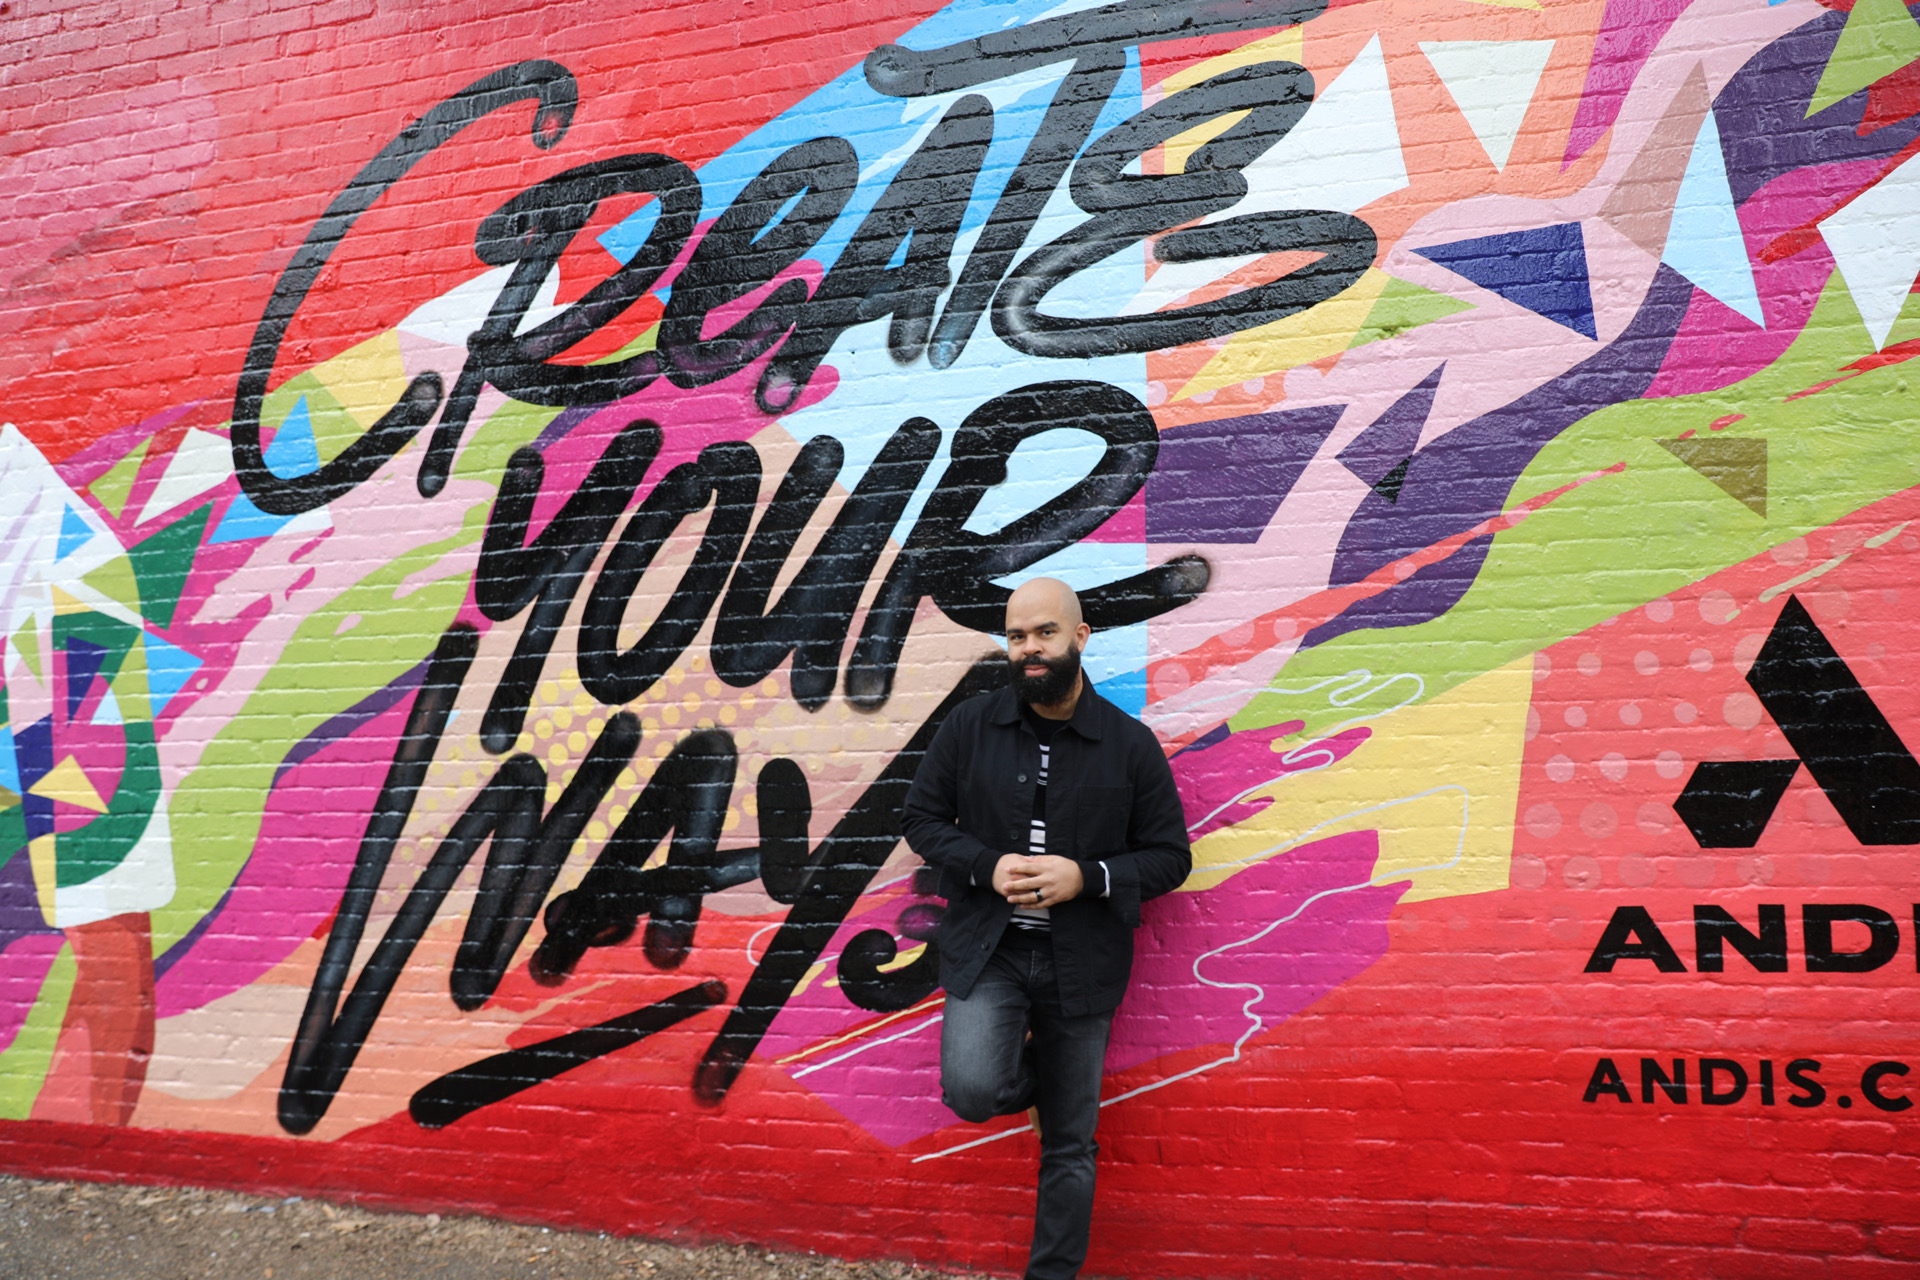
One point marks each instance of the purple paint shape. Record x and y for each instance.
(1467, 475)
(1392, 437)
(1543, 269)
(1209, 968)
(1222, 481)
(292, 881)
(1761, 113)
(23, 970)
(20, 902)
(1272, 940)
(1629, 30)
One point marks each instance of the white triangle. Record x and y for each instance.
(1492, 82)
(202, 462)
(452, 317)
(1876, 244)
(1342, 154)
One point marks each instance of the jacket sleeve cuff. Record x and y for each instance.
(983, 864)
(1122, 894)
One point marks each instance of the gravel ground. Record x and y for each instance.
(93, 1232)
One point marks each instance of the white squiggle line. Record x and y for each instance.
(1256, 1024)
(865, 1045)
(1355, 678)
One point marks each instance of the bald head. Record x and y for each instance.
(1045, 634)
(1044, 597)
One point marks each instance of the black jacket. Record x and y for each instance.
(1110, 798)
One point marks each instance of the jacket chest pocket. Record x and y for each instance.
(1100, 821)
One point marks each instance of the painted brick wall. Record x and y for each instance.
(496, 497)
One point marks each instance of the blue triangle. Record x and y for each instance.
(292, 452)
(1704, 241)
(169, 667)
(33, 749)
(1543, 269)
(74, 533)
(84, 660)
(9, 767)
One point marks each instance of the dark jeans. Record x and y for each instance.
(988, 1067)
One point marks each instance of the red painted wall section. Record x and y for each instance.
(1482, 436)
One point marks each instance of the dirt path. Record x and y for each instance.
(92, 1232)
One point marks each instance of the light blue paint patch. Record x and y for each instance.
(108, 712)
(625, 237)
(74, 533)
(1041, 469)
(293, 451)
(169, 667)
(9, 766)
(1704, 241)
(1127, 691)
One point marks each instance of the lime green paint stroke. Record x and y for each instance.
(1620, 541)
(218, 809)
(23, 1067)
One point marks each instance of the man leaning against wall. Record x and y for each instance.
(1051, 815)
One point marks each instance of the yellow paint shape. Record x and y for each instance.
(40, 854)
(1313, 334)
(65, 602)
(1284, 46)
(366, 380)
(115, 580)
(1437, 780)
(26, 643)
(66, 783)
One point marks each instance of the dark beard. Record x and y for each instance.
(1057, 683)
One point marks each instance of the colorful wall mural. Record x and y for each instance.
(493, 505)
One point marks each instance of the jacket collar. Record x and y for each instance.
(1086, 714)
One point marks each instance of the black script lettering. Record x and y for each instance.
(956, 567)
(1766, 951)
(921, 209)
(1129, 207)
(1631, 934)
(530, 232)
(1096, 40)
(526, 851)
(687, 798)
(546, 83)
(745, 248)
(1817, 921)
(842, 867)
(546, 574)
(728, 470)
(816, 610)
(323, 1049)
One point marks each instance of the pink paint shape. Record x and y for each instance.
(1209, 967)
(23, 969)
(1127, 525)
(1629, 30)
(309, 837)
(1716, 346)
(1258, 949)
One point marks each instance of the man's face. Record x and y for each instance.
(1044, 651)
